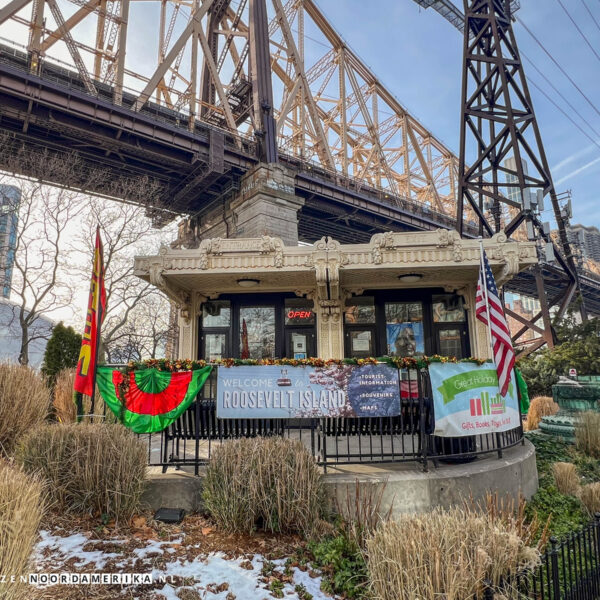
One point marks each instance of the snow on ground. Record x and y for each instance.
(213, 576)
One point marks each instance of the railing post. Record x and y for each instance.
(554, 568)
(422, 433)
(596, 571)
(196, 433)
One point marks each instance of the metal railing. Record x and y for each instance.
(191, 439)
(569, 570)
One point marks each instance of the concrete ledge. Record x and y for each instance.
(408, 488)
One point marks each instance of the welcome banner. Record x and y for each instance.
(467, 400)
(282, 392)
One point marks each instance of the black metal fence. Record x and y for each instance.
(190, 440)
(569, 570)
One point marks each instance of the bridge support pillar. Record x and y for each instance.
(266, 204)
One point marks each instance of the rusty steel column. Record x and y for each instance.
(262, 89)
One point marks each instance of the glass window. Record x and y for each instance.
(404, 328)
(216, 314)
(448, 309)
(215, 345)
(361, 343)
(450, 342)
(299, 311)
(360, 311)
(257, 332)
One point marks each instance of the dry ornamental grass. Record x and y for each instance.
(590, 497)
(566, 478)
(24, 403)
(541, 406)
(64, 405)
(98, 469)
(444, 554)
(587, 433)
(20, 513)
(268, 483)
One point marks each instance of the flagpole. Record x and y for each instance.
(99, 318)
(487, 302)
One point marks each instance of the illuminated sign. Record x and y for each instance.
(299, 314)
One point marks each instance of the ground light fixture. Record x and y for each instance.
(410, 277)
(248, 283)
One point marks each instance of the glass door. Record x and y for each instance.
(360, 342)
(300, 343)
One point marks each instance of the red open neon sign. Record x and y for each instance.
(299, 314)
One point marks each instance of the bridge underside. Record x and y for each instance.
(188, 172)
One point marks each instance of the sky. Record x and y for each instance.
(417, 55)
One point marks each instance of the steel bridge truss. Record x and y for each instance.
(203, 60)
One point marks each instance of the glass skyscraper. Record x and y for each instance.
(10, 198)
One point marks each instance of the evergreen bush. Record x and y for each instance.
(62, 352)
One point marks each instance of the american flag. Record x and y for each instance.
(504, 355)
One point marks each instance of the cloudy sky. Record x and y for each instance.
(417, 54)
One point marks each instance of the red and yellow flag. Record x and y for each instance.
(88, 356)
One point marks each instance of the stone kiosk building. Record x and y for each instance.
(399, 294)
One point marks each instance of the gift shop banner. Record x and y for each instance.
(467, 400)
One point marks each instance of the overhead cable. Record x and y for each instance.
(558, 65)
(579, 29)
(587, 135)
(549, 82)
(591, 14)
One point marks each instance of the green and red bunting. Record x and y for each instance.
(149, 400)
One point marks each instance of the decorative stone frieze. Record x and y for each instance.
(329, 272)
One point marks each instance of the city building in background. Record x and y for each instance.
(514, 193)
(587, 240)
(10, 335)
(10, 198)
(526, 307)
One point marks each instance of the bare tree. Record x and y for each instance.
(133, 318)
(145, 332)
(44, 218)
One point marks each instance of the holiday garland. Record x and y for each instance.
(400, 362)
(148, 396)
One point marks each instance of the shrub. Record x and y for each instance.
(590, 497)
(93, 468)
(443, 554)
(64, 404)
(541, 406)
(566, 478)
(62, 352)
(361, 509)
(24, 403)
(20, 514)
(587, 433)
(343, 565)
(273, 483)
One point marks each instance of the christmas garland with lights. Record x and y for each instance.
(400, 362)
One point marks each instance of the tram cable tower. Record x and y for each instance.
(503, 172)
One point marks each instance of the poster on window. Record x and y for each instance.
(405, 339)
(283, 392)
(467, 401)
